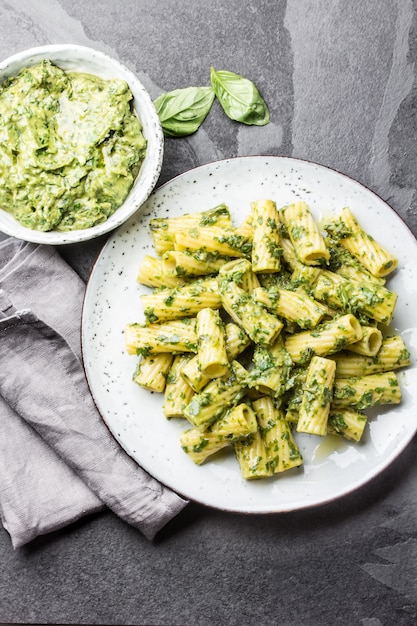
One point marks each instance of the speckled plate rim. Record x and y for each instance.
(73, 57)
(134, 416)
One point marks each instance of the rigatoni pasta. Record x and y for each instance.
(211, 343)
(183, 301)
(266, 332)
(175, 336)
(281, 448)
(392, 355)
(369, 344)
(366, 391)
(253, 458)
(236, 423)
(152, 371)
(316, 397)
(152, 274)
(292, 305)
(304, 233)
(343, 263)
(236, 342)
(163, 229)
(178, 265)
(347, 422)
(266, 237)
(327, 338)
(178, 393)
(370, 299)
(217, 396)
(213, 239)
(371, 254)
(272, 367)
(261, 326)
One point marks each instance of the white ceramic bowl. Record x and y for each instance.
(83, 59)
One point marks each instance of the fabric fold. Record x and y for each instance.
(39, 492)
(46, 409)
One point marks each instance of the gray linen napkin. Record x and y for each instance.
(58, 460)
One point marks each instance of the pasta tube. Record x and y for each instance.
(177, 264)
(288, 251)
(370, 299)
(216, 397)
(250, 281)
(184, 301)
(392, 355)
(240, 272)
(316, 398)
(261, 326)
(266, 246)
(326, 338)
(236, 342)
(201, 445)
(281, 447)
(211, 344)
(152, 371)
(366, 391)
(238, 422)
(213, 239)
(304, 278)
(272, 369)
(151, 273)
(309, 245)
(369, 344)
(373, 256)
(293, 306)
(163, 229)
(295, 395)
(345, 264)
(252, 456)
(193, 375)
(178, 393)
(348, 423)
(175, 337)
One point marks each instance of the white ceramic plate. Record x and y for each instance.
(332, 466)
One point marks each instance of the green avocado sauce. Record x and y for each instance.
(70, 147)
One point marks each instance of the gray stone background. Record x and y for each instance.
(339, 78)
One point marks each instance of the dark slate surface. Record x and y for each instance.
(340, 81)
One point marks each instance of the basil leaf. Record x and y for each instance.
(182, 111)
(239, 98)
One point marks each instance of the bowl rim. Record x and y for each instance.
(151, 166)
